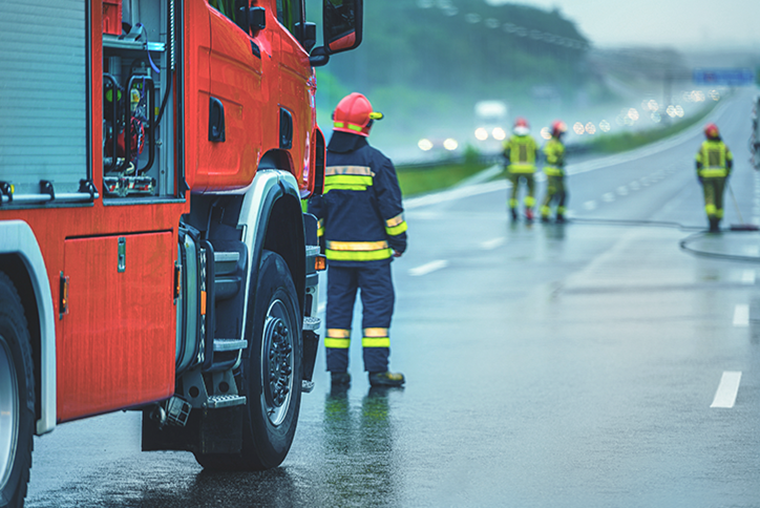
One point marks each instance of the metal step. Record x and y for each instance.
(311, 323)
(225, 262)
(229, 344)
(219, 401)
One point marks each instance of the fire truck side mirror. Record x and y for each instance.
(252, 19)
(308, 35)
(342, 20)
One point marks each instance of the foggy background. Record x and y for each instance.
(439, 69)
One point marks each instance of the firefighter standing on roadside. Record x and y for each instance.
(554, 153)
(362, 223)
(520, 152)
(714, 163)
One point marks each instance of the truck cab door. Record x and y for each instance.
(237, 104)
(297, 86)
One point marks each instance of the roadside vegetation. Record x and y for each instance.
(422, 180)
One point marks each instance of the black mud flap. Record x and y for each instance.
(207, 431)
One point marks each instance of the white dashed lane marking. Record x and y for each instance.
(725, 396)
(494, 243)
(741, 315)
(429, 267)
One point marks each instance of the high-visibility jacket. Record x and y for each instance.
(714, 159)
(360, 213)
(520, 152)
(554, 153)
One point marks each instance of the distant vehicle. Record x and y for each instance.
(491, 120)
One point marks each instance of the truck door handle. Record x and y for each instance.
(286, 129)
(216, 120)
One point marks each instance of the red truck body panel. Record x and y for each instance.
(116, 345)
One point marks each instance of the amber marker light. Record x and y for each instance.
(320, 263)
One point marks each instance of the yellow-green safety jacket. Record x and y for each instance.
(554, 153)
(714, 159)
(520, 152)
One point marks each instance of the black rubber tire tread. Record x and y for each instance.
(265, 445)
(14, 330)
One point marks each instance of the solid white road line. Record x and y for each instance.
(728, 388)
(589, 205)
(741, 315)
(748, 277)
(428, 267)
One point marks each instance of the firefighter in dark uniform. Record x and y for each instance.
(554, 153)
(362, 223)
(714, 163)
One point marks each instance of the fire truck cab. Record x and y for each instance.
(154, 254)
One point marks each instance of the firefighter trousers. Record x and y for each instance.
(713, 189)
(530, 183)
(555, 191)
(376, 291)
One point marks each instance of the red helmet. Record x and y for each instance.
(711, 131)
(354, 115)
(558, 128)
(521, 122)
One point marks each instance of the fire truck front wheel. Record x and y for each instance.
(271, 374)
(16, 397)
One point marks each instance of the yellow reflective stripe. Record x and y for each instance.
(376, 342)
(348, 170)
(337, 343)
(552, 171)
(522, 168)
(357, 246)
(712, 173)
(375, 332)
(395, 221)
(396, 230)
(339, 338)
(347, 182)
(353, 127)
(376, 255)
(321, 227)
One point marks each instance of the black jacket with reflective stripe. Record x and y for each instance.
(360, 212)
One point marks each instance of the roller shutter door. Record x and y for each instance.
(43, 94)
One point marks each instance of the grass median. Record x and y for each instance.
(422, 180)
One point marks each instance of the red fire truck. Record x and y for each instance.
(154, 254)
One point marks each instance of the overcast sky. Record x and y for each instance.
(701, 24)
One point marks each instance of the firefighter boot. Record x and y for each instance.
(513, 212)
(714, 225)
(529, 214)
(386, 379)
(340, 378)
(560, 217)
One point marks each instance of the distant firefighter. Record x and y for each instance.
(714, 163)
(520, 152)
(554, 153)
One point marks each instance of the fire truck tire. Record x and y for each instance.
(270, 372)
(16, 397)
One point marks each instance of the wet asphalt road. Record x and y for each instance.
(547, 365)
